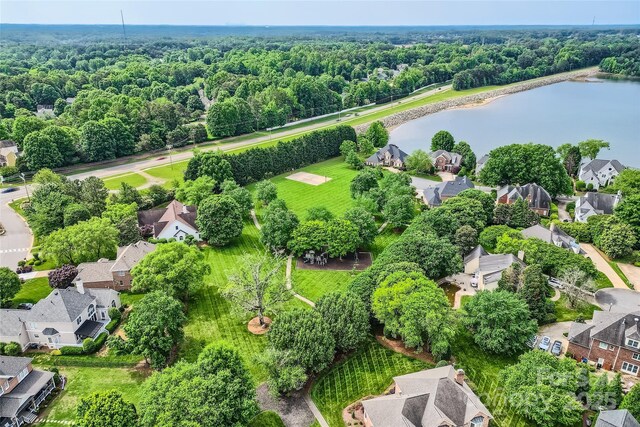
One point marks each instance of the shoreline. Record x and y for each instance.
(479, 99)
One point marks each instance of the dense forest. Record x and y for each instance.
(69, 97)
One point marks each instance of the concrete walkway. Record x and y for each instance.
(255, 219)
(633, 274)
(601, 264)
(288, 277)
(315, 410)
(556, 296)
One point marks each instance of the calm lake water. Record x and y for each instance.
(552, 115)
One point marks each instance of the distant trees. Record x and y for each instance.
(442, 140)
(377, 134)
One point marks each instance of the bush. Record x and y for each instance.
(114, 314)
(71, 351)
(111, 326)
(12, 349)
(489, 236)
(56, 353)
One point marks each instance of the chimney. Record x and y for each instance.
(521, 255)
(80, 286)
(460, 376)
(184, 209)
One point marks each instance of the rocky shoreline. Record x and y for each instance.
(476, 99)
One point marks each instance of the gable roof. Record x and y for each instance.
(11, 366)
(477, 252)
(129, 256)
(609, 327)
(395, 152)
(12, 322)
(61, 305)
(600, 203)
(616, 418)
(596, 165)
(7, 143)
(99, 271)
(432, 196)
(451, 157)
(539, 197)
(482, 160)
(455, 187)
(175, 211)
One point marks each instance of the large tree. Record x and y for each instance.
(342, 237)
(399, 210)
(364, 181)
(219, 220)
(591, 147)
(216, 390)
(266, 192)
(85, 241)
(9, 285)
(278, 226)
(500, 321)
(571, 158)
(631, 401)
(106, 409)
(488, 202)
(257, 285)
(346, 316)
(442, 140)
(419, 162)
(174, 268)
(377, 134)
(364, 222)
(468, 156)
(535, 291)
(194, 192)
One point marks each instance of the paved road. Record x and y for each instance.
(618, 300)
(16, 243)
(633, 274)
(602, 265)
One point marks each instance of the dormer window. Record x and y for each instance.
(477, 422)
(78, 320)
(633, 343)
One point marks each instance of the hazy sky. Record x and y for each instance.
(301, 12)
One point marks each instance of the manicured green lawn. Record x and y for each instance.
(384, 239)
(133, 179)
(602, 281)
(266, 419)
(565, 314)
(369, 371)
(129, 298)
(169, 172)
(32, 290)
(313, 284)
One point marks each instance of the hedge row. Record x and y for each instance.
(89, 346)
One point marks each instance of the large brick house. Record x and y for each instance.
(611, 341)
(446, 161)
(538, 199)
(389, 155)
(113, 274)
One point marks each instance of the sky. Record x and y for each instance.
(332, 12)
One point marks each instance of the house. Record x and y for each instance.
(596, 204)
(113, 274)
(64, 318)
(599, 172)
(434, 196)
(487, 268)
(616, 418)
(175, 221)
(390, 155)
(22, 390)
(552, 235)
(437, 397)
(445, 161)
(44, 111)
(537, 197)
(8, 153)
(480, 163)
(611, 341)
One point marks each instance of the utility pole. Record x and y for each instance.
(26, 188)
(169, 147)
(124, 33)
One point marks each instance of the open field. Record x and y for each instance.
(368, 371)
(133, 179)
(32, 290)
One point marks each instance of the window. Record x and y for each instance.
(603, 345)
(635, 356)
(633, 343)
(176, 227)
(25, 372)
(628, 367)
(36, 335)
(477, 422)
(78, 320)
(121, 273)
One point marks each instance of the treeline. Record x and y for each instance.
(627, 64)
(260, 163)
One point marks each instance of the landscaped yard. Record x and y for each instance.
(369, 371)
(32, 290)
(169, 172)
(564, 313)
(313, 284)
(133, 179)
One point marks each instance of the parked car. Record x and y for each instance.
(25, 306)
(9, 190)
(544, 343)
(556, 349)
(531, 343)
(555, 283)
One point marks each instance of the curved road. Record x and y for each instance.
(16, 243)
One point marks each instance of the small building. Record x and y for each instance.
(616, 418)
(434, 196)
(113, 274)
(389, 156)
(480, 163)
(431, 398)
(8, 153)
(44, 111)
(611, 341)
(596, 204)
(445, 161)
(599, 172)
(553, 235)
(487, 268)
(22, 390)
(538, 199)
(176, 221)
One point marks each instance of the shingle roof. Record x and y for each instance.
(616, 418)
(432, 196)
(598, 164)
(61, 305)
(477, 252)
(12, 322)
(539, 197)
(609, 327)
(99, 271)
(6, 143)
(103, 296)
(131, 255)
(11, 366)
(453, 158)
(175, 211)
(12, 403)
(455, 187)
(599, 202)
(396, 154)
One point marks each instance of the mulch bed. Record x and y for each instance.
(257, 329)
(348, 263)
(398, 347)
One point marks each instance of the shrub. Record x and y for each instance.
(111, 326)
(62, 277)
(580, 185)
(114, 314)
(2, 347)
(12, 349)
(56, 353)
(71, 351)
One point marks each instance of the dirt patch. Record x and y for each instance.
(256, 328)
(347, 263)
(143, 368)
(292, 409)
(398, 347)
(308, 178)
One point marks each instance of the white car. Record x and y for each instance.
(545, 342)
(555, 283)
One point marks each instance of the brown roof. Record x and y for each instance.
(175, 211)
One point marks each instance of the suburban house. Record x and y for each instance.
(64, 318)
(611, 341)
(176, 221)
(44, 111)
(537, 197)
(616, 418)
(480, 163)
(434, 196)
(599, 172)
(552, 235)
(445, 161)
(487, 268)
(22, 390)
(390, 155)
(437, 397)
(8, 153)
(596, 204)
(113, 274)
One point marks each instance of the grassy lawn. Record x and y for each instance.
(129, 298)
(602, 281)
(169, 172)
(564, 313)
(383, 240)
(133, 179)
(619, 272)
(369, 371)
(313, 284)
(32, 290)
(266, 419)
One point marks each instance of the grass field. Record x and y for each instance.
(266, 419)
(565, 314)
(32, 290)
(133, 179)
(369, 371)
(383, 240)
(313, 284)
(169, 172)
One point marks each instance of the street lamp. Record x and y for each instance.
(169, 147)
(26, 188)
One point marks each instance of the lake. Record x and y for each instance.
(563, 112)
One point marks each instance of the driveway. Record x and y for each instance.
(603, 265)
(555, 331)
(618, 300)
(633, 274)
(563, 215)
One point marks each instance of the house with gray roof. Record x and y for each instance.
(599, 172)
(64, 318)
(431, 398)
(552, 235)
(538, 199)
(486, 268)
(389, 156)
(22, 390)
(446, 161)
(438, 193)
(596, 204)
(113, 274)
(611, 341)
(616, 418)
(480, 163)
